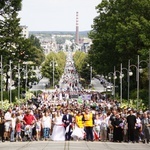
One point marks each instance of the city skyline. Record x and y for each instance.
(58, 15)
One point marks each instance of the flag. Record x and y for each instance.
(80, 101)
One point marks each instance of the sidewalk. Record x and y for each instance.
(72, 145)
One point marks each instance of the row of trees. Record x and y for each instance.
(14, 47)
(54, 65)
(83, 67)
(121, 33)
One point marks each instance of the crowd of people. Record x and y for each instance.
(71, 113)
(91, 119)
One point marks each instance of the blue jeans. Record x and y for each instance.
(46, 132)
(12, 135)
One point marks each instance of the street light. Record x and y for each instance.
(26, 78)
(91, 70)
(1, 82)
(18, 75)
(149, 79)
(54, 64)
(120, 76)
(138, 70)
(10, 62)
(10, 82)
(109, 77)
(26, 72)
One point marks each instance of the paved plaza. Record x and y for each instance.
(72, 145)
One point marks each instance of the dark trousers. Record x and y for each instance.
(2, 130)
(131, 134)
(89, 133)
(68, 134)
(137, 134)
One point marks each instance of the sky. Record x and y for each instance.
(58, 15)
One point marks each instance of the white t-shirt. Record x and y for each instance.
(13, 123)
(46, 122)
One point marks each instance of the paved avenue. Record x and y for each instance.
(72, 145)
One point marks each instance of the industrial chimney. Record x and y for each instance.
(77, 28)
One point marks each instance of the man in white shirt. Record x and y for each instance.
(7, 118)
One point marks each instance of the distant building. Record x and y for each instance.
(25, 32)
(86, 43)
(48, 45)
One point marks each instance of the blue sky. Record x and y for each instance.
(58, 15)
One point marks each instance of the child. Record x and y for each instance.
(38, 129)
(18, 130)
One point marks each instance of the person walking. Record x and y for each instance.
(88, 124)
(58, 133)
(131, 122)
(67, 120)
(12, 127)
(146, 128)
(118, 129)
(46, 122)
(2, 126)
(78, 132)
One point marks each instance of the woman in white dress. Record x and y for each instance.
(78, 132)
(58, 133)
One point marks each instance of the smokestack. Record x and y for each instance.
(77, 28)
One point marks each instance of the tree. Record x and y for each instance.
(47, 67)
(35, 42)
(13, 46)
(120, 32)
(10, 30)
(81, 62)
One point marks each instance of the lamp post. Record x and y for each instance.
(53, 64)
(26, 78)
(114, 82)
(10, 80)
(120, 76)
(112, 73)
(91, 73)
(149, 80)
(138, 71)
(19, 82)
(2, 82)
(91, 69)
(137, 80)
(26, 72)
(19, 77)
(129, 73)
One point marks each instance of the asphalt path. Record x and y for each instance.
(97, 85)
(72, 145)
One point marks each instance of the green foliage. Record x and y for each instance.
(120, 32)
(54, 61)
(132, 103)
(83, 67)
(35, 42)
(13, 46)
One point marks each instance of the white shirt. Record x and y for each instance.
(46, 122)
(13, 123)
